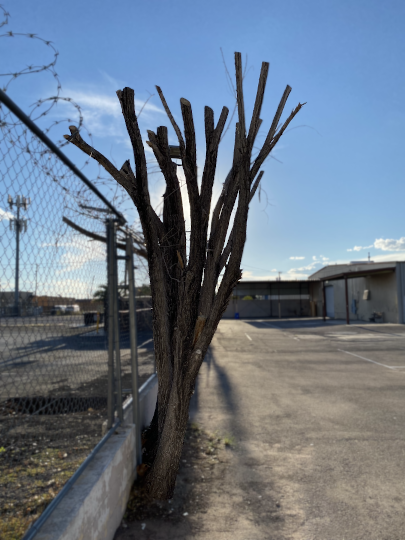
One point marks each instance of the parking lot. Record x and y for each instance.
(59, 354)
(318, 412)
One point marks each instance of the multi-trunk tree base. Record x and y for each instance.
(187, 301)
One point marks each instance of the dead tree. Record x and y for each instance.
(187, 306)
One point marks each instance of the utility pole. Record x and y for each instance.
(18, 226)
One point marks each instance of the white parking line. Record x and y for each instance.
(368, 360)
(144, 343)
(271, 325)
(248, 337)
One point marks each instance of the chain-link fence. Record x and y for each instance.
(54, 345)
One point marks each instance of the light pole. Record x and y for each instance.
(18, 226)
(279, 303)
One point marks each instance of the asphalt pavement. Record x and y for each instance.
(318, 412)
(60, 355)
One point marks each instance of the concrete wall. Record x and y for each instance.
(147, 402)
(94, 506)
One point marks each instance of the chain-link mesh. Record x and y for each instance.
(146, 364)
(53, 346)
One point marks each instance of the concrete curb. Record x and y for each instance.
(94, 506)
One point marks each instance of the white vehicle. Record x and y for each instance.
(72, 309)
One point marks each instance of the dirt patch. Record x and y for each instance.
(44, 454)
(203, 462)
(45, 438)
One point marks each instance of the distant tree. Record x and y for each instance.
(187, 304)
(143, 290)
(100, 294)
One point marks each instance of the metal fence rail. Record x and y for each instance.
(61, 376)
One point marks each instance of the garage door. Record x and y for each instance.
(330, 301)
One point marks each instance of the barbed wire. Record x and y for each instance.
(42, 108)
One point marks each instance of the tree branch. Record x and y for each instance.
(76, 139)
(140, 252)
(151, 230)
(189, 159)
(239, 93)
(213, 137)
(172, 205)
(266, 148)
(172, 120)
(255, 123)
(228, 248)
(127, 101)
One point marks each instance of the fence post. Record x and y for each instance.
(110, 308)
(118, 382)
(134, 351)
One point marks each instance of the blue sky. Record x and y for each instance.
(335, 191)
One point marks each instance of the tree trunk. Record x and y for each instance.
(187, 301)
(161, 479)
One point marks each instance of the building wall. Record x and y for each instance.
(267, 308)
(316, 296)
(383, 297)
(334, 269)
(400, 274)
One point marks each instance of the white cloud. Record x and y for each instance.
(102, 111)
(114, 83)
(248, 275)
(390, 244)
(378, 258)
(76, 252)
(295, 274)
(299, 273)
(384, 258)
(387, 244)
(105, 103)
(297, 258)
(303, 268)
(5, 215)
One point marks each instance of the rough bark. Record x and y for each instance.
(187, 306)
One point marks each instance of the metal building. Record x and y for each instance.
(270, 299)
(361, 291)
